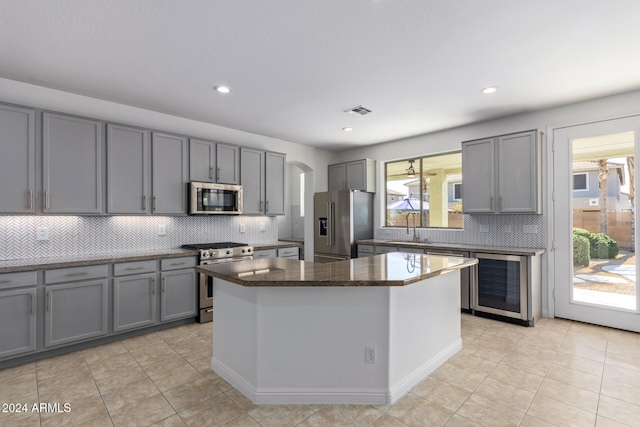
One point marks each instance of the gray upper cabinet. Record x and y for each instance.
(227, 164)
(202, 160)
(178, 294)
(275, 172)
(502, 174)
(169, 172)
(263, 182)
(127, 170)
(252, 180)
(17, 160)
(357, 175)
(72, 153)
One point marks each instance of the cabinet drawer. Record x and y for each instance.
(265, 253)
(75, 273)
(176, 263)
(385, 249)
(134, 267)
(287, 252)
(14, 280)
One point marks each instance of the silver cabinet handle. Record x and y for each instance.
(218, 174)
(30, 200)
(153, 285)
(500, 203)
(48, 301)
(46, 199)
(491, 201)
(33, 304)
(263, 254)
(261, 203)
(211, 172)
(164, 285)
(135, 268)
(178, 263)
(144, 202)
(83, 273)
(209, 310)
(155, 203)
(5, 281)
(266, 206)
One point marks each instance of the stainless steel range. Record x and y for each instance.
(213, 253)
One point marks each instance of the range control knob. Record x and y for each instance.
(204, 254)
(249, 250)
(229, 251)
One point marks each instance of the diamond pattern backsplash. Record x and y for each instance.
(485, 230)
(78, 235)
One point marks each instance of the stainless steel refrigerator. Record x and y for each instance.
(341, 218)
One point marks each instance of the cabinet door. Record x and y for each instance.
(478, 176)
(228, 164)
(134, 301)
(71, 165)
(17, 322)
(337, 177)
(127, 169)
(178, 298)
(202, 160)
(75, 312)
(518, 175)
(275, 169)
(169, 174)
(252, 180)
(17, 160)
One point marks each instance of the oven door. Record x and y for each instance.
(205, 304)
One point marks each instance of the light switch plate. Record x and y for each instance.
(530, 229)
(162, 230)
(243, 228)
(263, 227)
(483, 228)
(508, 228)
(42, 233)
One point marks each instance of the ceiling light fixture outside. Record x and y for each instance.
(222, 89)
(411, 172)
(489, 90)
(347, 129)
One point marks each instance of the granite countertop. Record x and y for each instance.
(460, 246)
(393, 269)
(275, 245)
(31, 264)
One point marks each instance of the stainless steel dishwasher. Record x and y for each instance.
(465, 276)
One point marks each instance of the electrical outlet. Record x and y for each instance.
(483, 228)
(263, 227)
(508, 228)
(243, 228)
(42, 233)
(530, 229)
(370, 354)
(387, 234)
(162, 230)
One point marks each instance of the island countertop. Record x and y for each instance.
(392, 269)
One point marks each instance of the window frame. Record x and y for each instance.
(586, 181)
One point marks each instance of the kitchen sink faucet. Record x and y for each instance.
(415, 235)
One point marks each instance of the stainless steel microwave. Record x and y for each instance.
(206, 198)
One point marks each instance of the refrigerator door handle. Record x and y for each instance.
(329, 224)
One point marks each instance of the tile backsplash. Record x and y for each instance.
(486, 230)
(78, 235)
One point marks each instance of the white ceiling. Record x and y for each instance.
(296, 65)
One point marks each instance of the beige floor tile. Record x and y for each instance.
(414, 411)
(626, 346)
(350, 415)
(52, 391)
(68, 359)
(19, 389)
(17, 371)
(152, 348)
(174, 377)
(629, 361)
(571, 395)
(280, 415)
(112, 366)
(190, 394)
(242, 421)
(576, 378)
(243, 401)
(559, 413)
(516, 377)
(618, 410)
(19, 419)
(127, 374)
(104, 421)
(64, 368)
(172, 421)
(559, 325)
(384, 421)
(441, 393)
(606, 422)
(582, 350)
(460, 421)
(533, 350)
(458, 377)
(621, 375)
(102, 352)
(143, 413)
(548, 343)
(579, 363)
(489, 413)
(216, 411)
(140, 342)
(529, 421)
(155, 363)
(81, 411)
(479, 349)
(507, 394)
(625, 392)
(467, 360)
(526, 362)
(128, 394)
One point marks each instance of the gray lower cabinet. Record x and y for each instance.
(134, 301)
(127, 170)
(72, 153)
(17, 160)
(18, 321)
(75, 312)
(291, 253)
(265, 253)
(178, 297)
(169, 174)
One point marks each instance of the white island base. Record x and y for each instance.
(309, 344)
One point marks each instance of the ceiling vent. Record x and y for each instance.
(358, 111)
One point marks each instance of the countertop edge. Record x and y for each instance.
(453, 246)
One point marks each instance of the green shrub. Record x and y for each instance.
(603, 246)
(581, 232)
(581, 248)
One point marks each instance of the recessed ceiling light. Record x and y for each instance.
(347, 129)
(222, 89)
(490, 89)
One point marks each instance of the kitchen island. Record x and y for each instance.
(365, 330)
